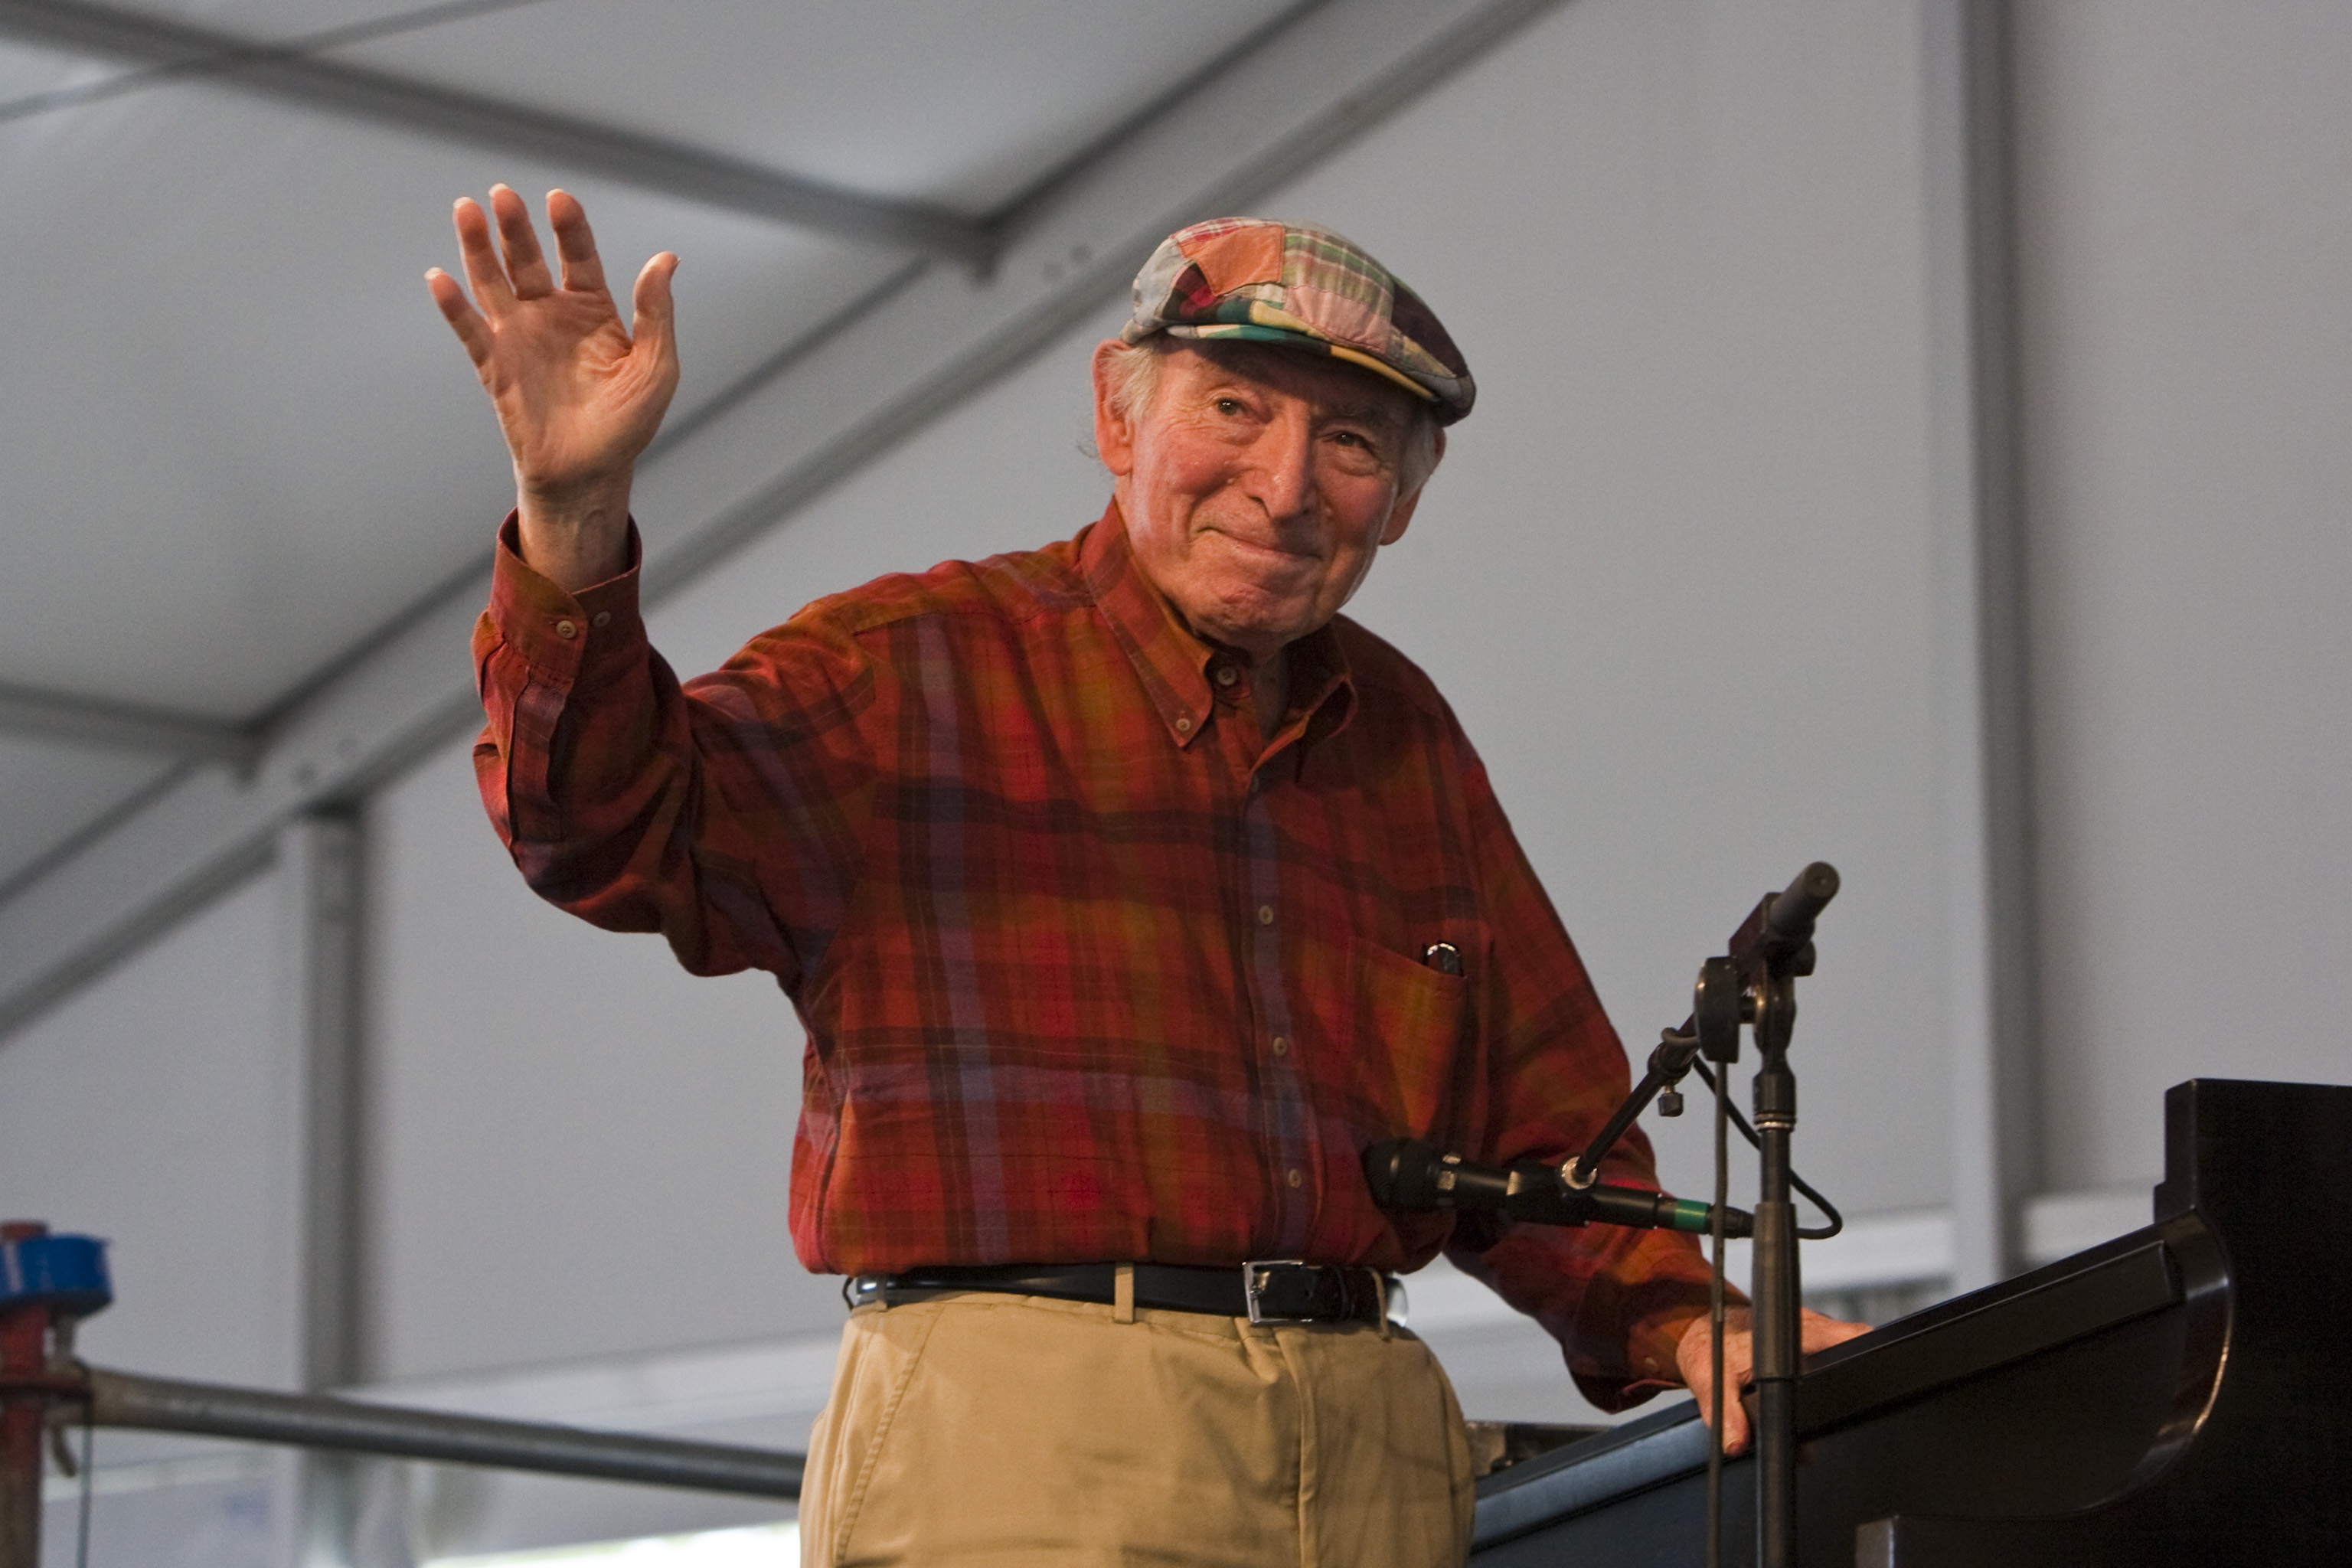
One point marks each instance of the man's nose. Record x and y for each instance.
(1285, 479)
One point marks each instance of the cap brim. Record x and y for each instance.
(1252, 331)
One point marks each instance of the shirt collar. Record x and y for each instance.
(1173, 663)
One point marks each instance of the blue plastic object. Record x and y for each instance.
(66, 1274)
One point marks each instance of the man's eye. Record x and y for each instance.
(1229, 405)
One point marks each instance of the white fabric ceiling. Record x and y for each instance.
(240, 439)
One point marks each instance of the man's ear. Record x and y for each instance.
(1114, 430)
(1401, 518)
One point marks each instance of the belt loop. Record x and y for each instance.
(1122, 1294)
(1381, 1295)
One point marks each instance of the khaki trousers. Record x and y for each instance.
(991, 1429)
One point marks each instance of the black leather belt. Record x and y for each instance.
(1267, 1291)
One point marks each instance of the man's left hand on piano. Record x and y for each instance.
(1815, 1333)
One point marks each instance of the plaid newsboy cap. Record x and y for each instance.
(1255, 279)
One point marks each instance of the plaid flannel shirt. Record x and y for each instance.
(1090, 969)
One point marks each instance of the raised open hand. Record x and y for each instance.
(577, 396)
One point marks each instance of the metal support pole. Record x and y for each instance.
(24, 1355)
(313, 1230)
(318, 980)
(1775, 1282)
(1983, 661)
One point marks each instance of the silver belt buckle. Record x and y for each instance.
(1257, 1276)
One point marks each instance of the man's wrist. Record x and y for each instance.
(578, 536)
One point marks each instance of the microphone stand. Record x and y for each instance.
(1774, 1284)
(1753, 982)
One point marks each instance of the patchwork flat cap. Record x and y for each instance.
(1260, 281)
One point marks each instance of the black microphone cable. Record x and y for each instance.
(1836, 1220)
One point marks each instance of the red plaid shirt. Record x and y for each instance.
(1091, 970)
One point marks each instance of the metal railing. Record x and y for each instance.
(312, 1421)
(71, 1392)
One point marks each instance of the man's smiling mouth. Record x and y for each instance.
(1260, 547)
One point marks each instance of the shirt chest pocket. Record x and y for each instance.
(1410, 1042)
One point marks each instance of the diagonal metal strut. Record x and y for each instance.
(123, 727)
(289, 75)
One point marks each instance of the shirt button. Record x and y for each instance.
(1184, 723)
(1297, 1180)
(566, 630)
(1266, 914)
(1226, 675)
(1282, 1045)
(603, 618)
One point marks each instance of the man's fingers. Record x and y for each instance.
(1733, 1434)
(574, 243)
(1735, 1426)
(525, 263)
(1695, 1357)
(484, 274)
(1816, 1332)
(459, 312)
(1737, 1362)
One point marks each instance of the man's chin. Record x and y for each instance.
(1255, 628)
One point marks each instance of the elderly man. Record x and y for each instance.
(1128, 891)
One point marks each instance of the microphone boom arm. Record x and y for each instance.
(1775, 941)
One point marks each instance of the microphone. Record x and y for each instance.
(1780, 930)
(1405, 1173)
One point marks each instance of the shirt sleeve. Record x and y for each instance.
(1617, 1300)
(726, 814)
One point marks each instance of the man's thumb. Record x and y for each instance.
(654, 310)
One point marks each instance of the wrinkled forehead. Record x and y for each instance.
(1335, 387)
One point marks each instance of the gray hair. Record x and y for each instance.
(1135, 381)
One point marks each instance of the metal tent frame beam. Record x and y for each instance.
(123, 727)
(288, 75)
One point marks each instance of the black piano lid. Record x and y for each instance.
(2127, 1278)
(2177, 1394)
